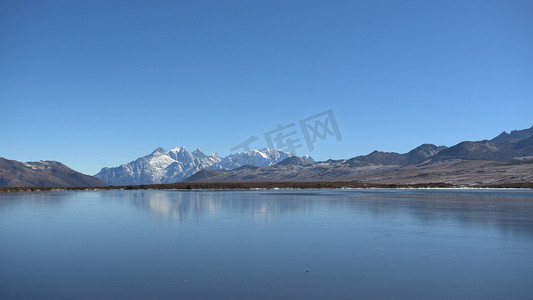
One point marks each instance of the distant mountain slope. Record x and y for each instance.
(43, 173)
(204, 175)
(508, 159)
(455, 171)
(417, 155)
(162, 166)
(295, 161)
(525, 143)
(516, 145)
(514, 136)
(482, 150)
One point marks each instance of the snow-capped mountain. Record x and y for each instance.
(257, 158)
(162, 166)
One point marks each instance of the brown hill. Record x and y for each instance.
(42, 173)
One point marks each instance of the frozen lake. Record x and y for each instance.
(267, 244)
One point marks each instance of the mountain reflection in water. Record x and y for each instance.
(510, 211)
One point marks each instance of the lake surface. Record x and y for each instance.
(267, 244)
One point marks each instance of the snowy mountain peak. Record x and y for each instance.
(307, 157)
(163, 166)
(158, 151)
(198, 152)
(257, 158)
(179, 149)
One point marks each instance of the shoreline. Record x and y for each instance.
(271, 185)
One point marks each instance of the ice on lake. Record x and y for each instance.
(267, 244)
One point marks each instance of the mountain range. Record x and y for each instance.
(162, 166)
(506, 158)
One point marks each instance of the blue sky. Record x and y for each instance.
(101, 83)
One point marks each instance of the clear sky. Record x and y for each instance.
(101, 83)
